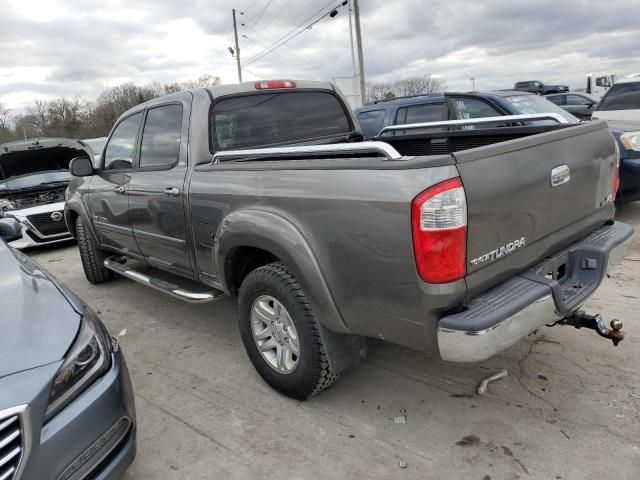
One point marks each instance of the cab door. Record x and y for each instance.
(108, 202)
(157, 190)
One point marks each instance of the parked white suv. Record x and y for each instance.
(621, 103)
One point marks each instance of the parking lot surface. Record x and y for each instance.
(569, 408)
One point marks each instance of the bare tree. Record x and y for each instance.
(418, 86)
(38, 116)
(203, 81)
(377, 91)
(76, 118)
(4, 116)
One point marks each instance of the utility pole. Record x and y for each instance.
(353, 55)
(356, 11)
(235, 33)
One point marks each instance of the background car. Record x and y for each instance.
(621, 103)
(620, 107)
(34, 175)
(452, 106)
(66, 403)
(535, 86)
(578, 104)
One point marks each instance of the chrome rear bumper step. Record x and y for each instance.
(116, 264)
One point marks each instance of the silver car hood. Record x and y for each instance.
(38, 320)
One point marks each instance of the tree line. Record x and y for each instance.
(402, 88)
(76, 117)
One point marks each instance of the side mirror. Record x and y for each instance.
(10, 229)
(81, 167)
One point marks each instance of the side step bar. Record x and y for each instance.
(115, 263)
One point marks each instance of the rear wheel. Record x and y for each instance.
(280, 333)
(92, 257)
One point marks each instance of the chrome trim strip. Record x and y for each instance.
(98, 463)
(174, 290)
(9, 474)
(157, 236)
(359, 147)
(110, 227)
(476, 121)
(24, 419)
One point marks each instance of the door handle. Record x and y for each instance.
(119, 189)
(172, 191)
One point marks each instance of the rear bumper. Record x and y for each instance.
(510, 311)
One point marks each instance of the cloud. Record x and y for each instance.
(52, 48)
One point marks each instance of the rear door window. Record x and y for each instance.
(276, 118)
(371, 122)
(557, 99)
(431, 112)
(576, 100)
(120, 151)
(622, 96)
(160, 145)
(463, 108)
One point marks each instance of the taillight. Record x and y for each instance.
(439, 224)
(271, 84)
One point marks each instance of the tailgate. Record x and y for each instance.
(516, 217)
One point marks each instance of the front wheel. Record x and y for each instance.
(280, 333)
(92, 257)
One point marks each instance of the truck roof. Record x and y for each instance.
(244, 87)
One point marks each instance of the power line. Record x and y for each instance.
(291, 34)
(277, 14)
(261, 12)
(301, 64)
(254, 73)
(315, 65)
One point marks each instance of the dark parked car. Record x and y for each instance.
(66, 404)
(452, 106)
(579, 104)
(459, 243)
(628, 138)
(535, 86)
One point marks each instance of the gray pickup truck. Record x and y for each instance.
(457, 241)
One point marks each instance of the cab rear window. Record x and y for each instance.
(276, 118)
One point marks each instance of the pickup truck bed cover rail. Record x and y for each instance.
(476, 121)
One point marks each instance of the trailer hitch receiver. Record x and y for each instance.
(581, 319)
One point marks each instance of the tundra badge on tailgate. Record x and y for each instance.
(499, 252)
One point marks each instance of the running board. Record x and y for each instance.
(116, 264)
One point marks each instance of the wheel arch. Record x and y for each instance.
(252, 238)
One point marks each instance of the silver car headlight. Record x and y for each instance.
(631, 140)
(88, 358)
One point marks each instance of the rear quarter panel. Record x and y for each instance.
(357, 224)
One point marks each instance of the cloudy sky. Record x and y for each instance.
(50, 48)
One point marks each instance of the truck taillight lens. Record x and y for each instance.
(439, 224)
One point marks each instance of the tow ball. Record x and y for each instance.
(581, 319)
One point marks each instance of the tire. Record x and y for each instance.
(92, 257)
(262, 289)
